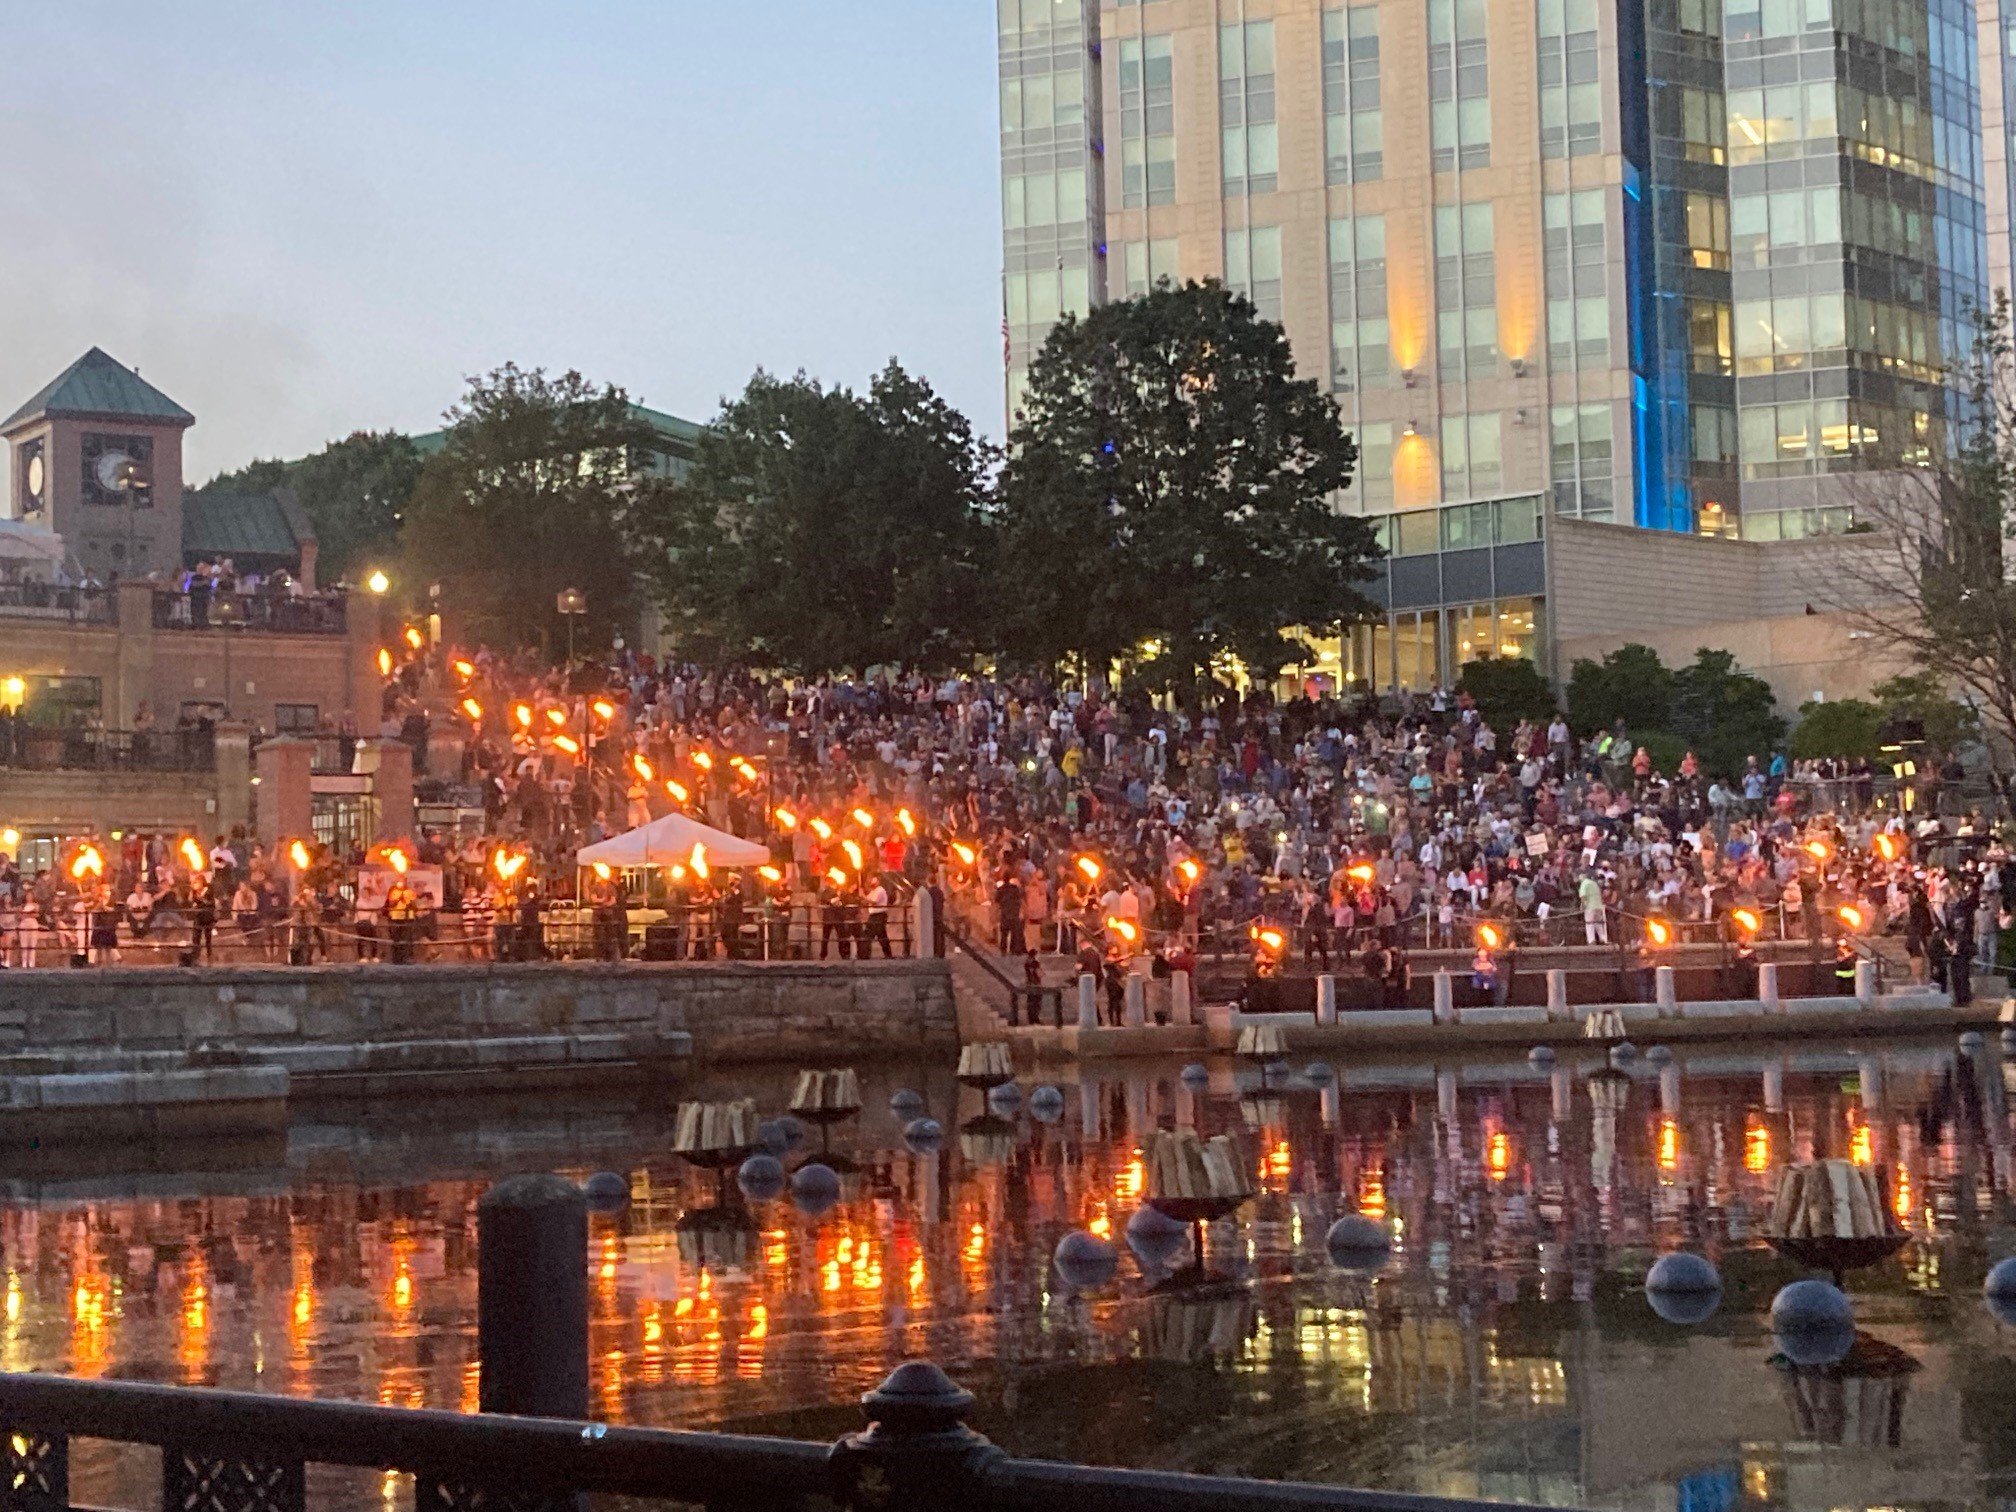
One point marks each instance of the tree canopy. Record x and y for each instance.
(1507, 689)
(527, 498)
(821, 529)
(1169, 437)
(355, 492)
(1710, 706)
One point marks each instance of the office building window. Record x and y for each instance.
(1714, 437)
(1578, 304)
(1466, 294)
(1040, 298)
(1145, 264)
(1360, 355)
(1043, 102)
(1371, 487)
(1582, 465)
(1701, 121)
(1571, 92)
(1251, 151)
(1253, 267)
(1031, 200)
(1709, 336)
(295, 719)
(1459, 85)
(1147, 122)
(1707, 229)
(1471, 458)
(1353, 128)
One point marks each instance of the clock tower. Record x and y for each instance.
(97, 459)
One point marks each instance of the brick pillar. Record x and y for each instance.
(392, 786)
(233, 747)
(285, 803)
(447, 744)
(133, 600)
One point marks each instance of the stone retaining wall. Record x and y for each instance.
(343, 1021)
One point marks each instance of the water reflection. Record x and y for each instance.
(1504, 1349)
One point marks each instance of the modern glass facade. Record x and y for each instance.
(1684, 265)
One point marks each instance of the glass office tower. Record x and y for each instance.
(1688, 266)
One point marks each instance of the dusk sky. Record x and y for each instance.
(303, 220)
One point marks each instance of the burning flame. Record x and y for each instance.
(414, 638)
(1091, 868)
(836, 876)
(905, 822)
(384, 662)
(1124, 929)
(192, 854)
(1746, 919)
(472, 708)
(507, 864)
(676, 790)
(822, 829)
(1659, 932)
(603, 709)
(88, 862)
(1490, 936)
(698, 860)
(602, 872)
(298, 854)
(770, 874)
(642, 768)
(853, 849)
(703, 761)
(464, 668)
(966, 854)
(568, 744)
(786, 818)
(523, 714)
(556, 717)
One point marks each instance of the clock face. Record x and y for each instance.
(114, 471)
(35, 479)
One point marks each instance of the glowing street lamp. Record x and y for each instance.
(377, 582)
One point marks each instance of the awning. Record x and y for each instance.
(671, 839)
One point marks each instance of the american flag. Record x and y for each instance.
(1007, 346)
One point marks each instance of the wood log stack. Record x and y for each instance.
(827, 1092)
(1263, 1042)
(1831, 1199)
(1182, 1166)
(706, 1127)
(1608, 1024)
(989, 1058)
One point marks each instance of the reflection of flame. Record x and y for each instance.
(1280, 1161)
(1902, 1205)
(1669, 1144)
(1130, 1179)
(1498, 1155)
(1756, 1149)
(1862, 1145)
(1372, 1192)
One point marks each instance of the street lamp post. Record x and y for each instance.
(572, 604)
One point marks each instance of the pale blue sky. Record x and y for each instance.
(300, 218)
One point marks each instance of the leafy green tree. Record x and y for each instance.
(822, 529)
(1723, 713)
(525, 499)
(1947, 723)
(354, 491)
(1507, 689)
(1169, 494)
(1630, 683)
(1842, 727)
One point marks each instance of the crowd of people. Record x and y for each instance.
(1052, 820)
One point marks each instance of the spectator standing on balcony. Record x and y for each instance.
(203, 921)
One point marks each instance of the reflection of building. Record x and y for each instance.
(1688, 270)
(127, 701)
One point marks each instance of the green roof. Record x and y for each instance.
(671, 427)
(251, 529)
(98, 387)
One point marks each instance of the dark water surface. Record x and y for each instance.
(1506, 1351)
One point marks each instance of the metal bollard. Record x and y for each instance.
(1558, 1011)
(1767, 987)
(1088, 1001)
(916, 1452)
(1664, 990)
(1180, 1009)
(532, 1298)
(1326, 999)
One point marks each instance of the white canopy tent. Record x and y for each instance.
(670, 840)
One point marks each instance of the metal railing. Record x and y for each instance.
(88, 750)
(230, 1451)
(226, 609)
(58, 601)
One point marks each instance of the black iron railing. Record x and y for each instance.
(58, 601)
(223, 609)
(228, 1451)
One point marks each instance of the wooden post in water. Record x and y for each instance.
(532, 1298)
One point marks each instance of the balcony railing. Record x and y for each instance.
(58, 601)
(314, 614)
(26, 748)
(229, 1451)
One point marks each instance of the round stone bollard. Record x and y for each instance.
(1683, 1288)
(1811, 1305)
(923, 1134)
(607, 1192)
(532, 1298)
(2009, 1041)
(905, 1100)
(1196, 1075)
(1623, 1054)
(1970, 1043)
(815, 1189)
(1046, 1104)
(1540, 1056)
(1319, 1073)
(916, 1452)
(2000, 1290)
(1085, 1261)
(1155, 1238)
(1357, 1242)
(760, 1177)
